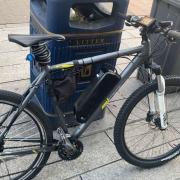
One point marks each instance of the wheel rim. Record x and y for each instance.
(146, 141)
(26, 134)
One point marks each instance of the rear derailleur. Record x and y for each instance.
(67, 148)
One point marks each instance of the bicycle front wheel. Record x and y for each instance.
(20, 155)
(141, 141)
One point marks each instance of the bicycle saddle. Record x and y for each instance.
(30, 40)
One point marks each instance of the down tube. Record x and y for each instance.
(127, 72)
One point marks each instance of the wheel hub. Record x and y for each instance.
(154, 119)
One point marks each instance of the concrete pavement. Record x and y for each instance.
(14, 11)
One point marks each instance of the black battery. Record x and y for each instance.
(97, 93)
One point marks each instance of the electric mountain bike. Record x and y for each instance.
(146, 131)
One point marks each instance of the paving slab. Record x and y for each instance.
(123, 93)
(13, 29)
(75, 178)
(6, 46)
(101, 125)
(16, 28)
(2, 26)
(122, 61)
(121, 67)
(123, 45)
(13, 58)
(119, 96)
(134, 33)
(110, 132)
(14, 72)
(3, 35)
(115, 106)
(129, 43)
(128, 27)
(15, 86)
(14, 11)
(129, 87)
(122, 170)
(16, 25)
(126, 35)
(98, 151)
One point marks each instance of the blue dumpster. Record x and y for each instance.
(91, 27)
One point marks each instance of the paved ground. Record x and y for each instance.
(99, 160)
(15, 11)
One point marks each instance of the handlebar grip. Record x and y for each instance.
(174, 34)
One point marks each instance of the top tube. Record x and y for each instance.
(98, 58)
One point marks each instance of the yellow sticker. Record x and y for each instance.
(86, 71)
(106, 102)
(64, 66)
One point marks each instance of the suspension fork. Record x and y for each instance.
(160, 94)
(27, 97)
(161, 101)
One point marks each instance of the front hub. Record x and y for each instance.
(154, 119)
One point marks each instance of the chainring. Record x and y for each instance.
(70, 155)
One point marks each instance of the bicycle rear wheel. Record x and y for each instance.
(139, 140)
(19, 156)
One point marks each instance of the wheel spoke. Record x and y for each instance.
(17, 147)
(24, 145)
(19, 153)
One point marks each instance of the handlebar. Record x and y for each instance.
(151, 26)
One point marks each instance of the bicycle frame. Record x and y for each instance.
(142, 55)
